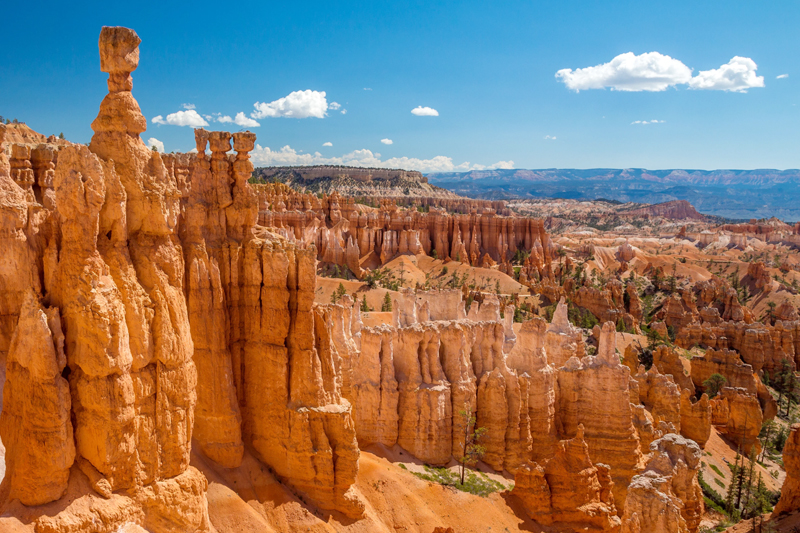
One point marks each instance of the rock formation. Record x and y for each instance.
(568, 488)
(695, 418)
(113, 283)
(562, 339)
(761, 346)
(670, 363)
(666, 497)
(35, 424)
(661, 397)
(594, 392)
(790, 492)
(727, 363)
(108, 269)
(346, 233)
(737, 415)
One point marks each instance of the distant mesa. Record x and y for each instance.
(354, 181)
(674, 210)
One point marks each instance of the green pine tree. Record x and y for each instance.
(386, 306)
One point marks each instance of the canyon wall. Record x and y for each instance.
(346, 233)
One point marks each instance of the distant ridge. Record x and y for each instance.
(354, 181)
(736, 194)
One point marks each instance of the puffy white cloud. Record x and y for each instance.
(334, 105)
(152, 142)
(781, 76)
(344, 111)
(643, 122)
(182, 118)
(264, 156)
(737, 75)
(653, 71)
(650, 71)
(240, 120)
(188, 106)
(298, 104)
(387, 141)
(549, 137)
(327, 144)
(424, 112)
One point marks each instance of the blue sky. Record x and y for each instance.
(488, 69)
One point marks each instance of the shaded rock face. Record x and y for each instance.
(790, 492)
(35, 424)
(726, 363)
(568, 488)
(608, 303)
(661, 397)
(695, 418)
(666, 497)
(738, 416)
(670, 363)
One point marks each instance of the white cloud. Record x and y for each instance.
(152, 142)
(628, 72)
(334, 105)
(367, 88)
(244, 121)
(344, 111)
(550, 137)
(782, 76)
(387, 141)
(264, 156)
(653, 71)
(424, 112)
(737, 75)
(182, 118)
(298, 104)
(643, 122)
(188, 106)
(327, 144)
